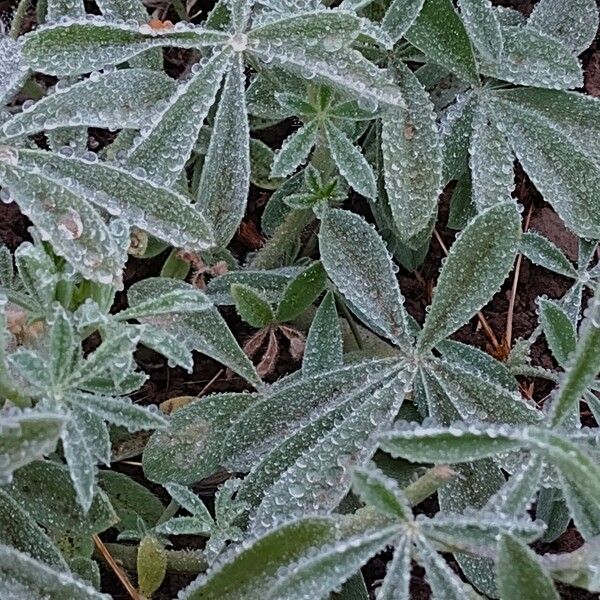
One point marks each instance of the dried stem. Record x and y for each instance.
(119, 572)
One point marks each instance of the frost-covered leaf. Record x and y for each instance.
(178, 299)
(251, 306)
(382, 492)
(113, 100)
(301, 292)
(520, 574)
(168, 137)
(396, 584)
(18, 529)
(24, 577)
(193, 447)
(456, 127)
(412, 158)
(76, 230)
(225, 180)
(583, 368)
(440, 34)
(26, 436)
(560, 332)
(13, 68)
(482, 25)
(64, 347)
(358, 263)
(295, 150)
(204, 331)
(478, 263)
(541, 251)
(491, 162)
(81, 46)
(352, 165)
(400, 15)
(575, 25)
(534, 59)
(324, 345)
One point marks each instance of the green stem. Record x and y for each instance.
(269, 256)
(178, 561)
(169, 512)
(18, 18)
(180, 10)
(428, 484)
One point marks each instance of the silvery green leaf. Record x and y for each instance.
(255, 566)
(37, 273)
(64, 347)
(358, 263)
(541, 251)
(18, 529)
(120, 411)
(59, 8)
(346, 70)
(440, 34)
(331, 565)
(382, 492)
(583, 506)
(456, 127)
(483, 27)
(76, 230)
(261, 163)
(583, 368)
(553, 510)
(13, 68)
(6, 267)
(193, 447)
(114, 100)
(351, 163)
(25, 437)
(24, 577)
(188, 500)
(520, 574)
(295, 149)
(412, 158)
(444, 582)
(321, 477)
(324, 345)
(330, 29)
(396, 584)
(31, 367)
(508, 16)
(491, 162)
(225, 177)
(578, 568)
(478, 263)
(400, 15)
(175, 351)
(82, 45)
(518, 493)
(261, 95)
(454, 444)
(177, 299)
(168, 137)
(184, 526)
(45, 491)
(559, 330)
(576, 115)
(534, 59)
(154, 208)
(204, 331)
(474, 395)
(575, 27)
(251, 306)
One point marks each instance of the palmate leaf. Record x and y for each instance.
(412, 158)
(358, 263)
(170, 133)
(225, 180)
(25, 437)
(575, 27)
(83, 45)
(534, 59)
(24, 577)
(440, 34)
(520, 575)
(154, 208)
(479, 261)
(204, 331)
(78, 233)
(113, 100)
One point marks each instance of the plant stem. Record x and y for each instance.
(428, 484)
(18, 18)
(178, 561)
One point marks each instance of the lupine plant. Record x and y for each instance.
(334, 132)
